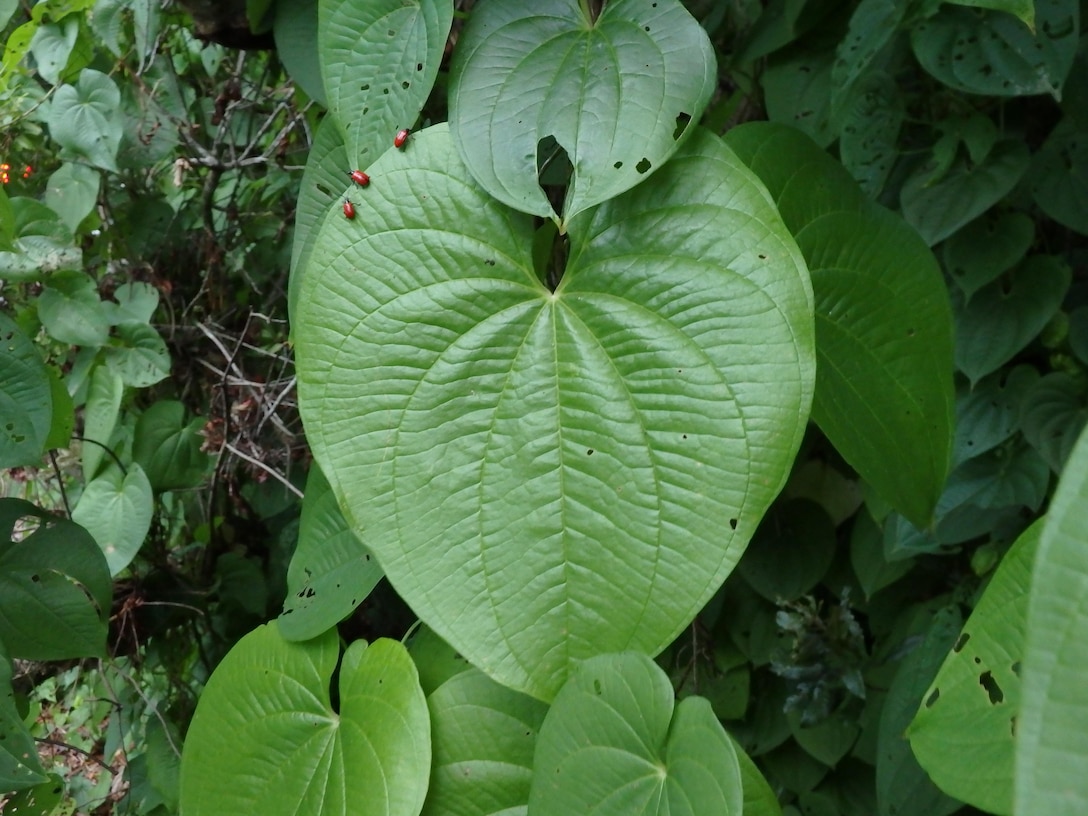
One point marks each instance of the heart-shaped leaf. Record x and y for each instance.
(989, 413)
(868, 144)
(938, 208)
(1009, 313)
(72, 192)
(548, 475)
(83, 119)
(986, 247)
(26, 402)
(1052, 415)
(54, 586)
(331, 571)
(797, 87)
(963, 732)
(774, 565)
(140, 358)
(116, 509)
(993, 53)
(484, 736)
(1059, 176)
(379, 61)
(614, 743)
(167, 446)
(1050, 749)
(267, 739)
(71, 310)
(615, 94)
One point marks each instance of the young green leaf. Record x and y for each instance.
(72, 193)
(116, 508)
(83, 119)
(1050, 752)
(616, 94)
(614, 743)
(580, 429)
(266, 737)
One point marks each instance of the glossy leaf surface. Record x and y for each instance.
(615, 744)
(615, 93)
(266, 739)
(526, 482)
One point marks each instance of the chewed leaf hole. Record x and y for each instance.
(933, 697)
(597, 687)
(682, 122)
(1016, 668)
(993, 690)
(961, 642)
(643, 167)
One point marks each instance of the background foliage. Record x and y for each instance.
(890, 627)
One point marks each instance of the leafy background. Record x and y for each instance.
(153, 179)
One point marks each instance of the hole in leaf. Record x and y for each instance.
(419, 66)
(933, 697)
(643, 166)
(406, 85)
(1015, 668)
(961, 641)
(365, 87)
(597, 687)
(334, 685)
(682, 122)
(618, 165)
(993, 690)
(589, 452)
(732, 524)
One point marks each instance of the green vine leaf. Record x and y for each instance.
(294, 28)
(167, 446)
(1050, 752)
(116, 508)
(527, 455)
(83, 119)
(379, 61)
(266, 737)
(1059, 176)
(71, 310)
(616, 94)
(54, 586)
(994, 243)
(615, 743)
(1021, 9)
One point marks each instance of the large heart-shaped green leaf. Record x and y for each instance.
(884, 392)
(116, 508)
(615, 93)
(167, 446)
(71, 310)
(83, 119)
(1059, 176)
(1052, 416)
(986, 247)
(266, 737)
(963, 732)
(988, 414)
(548, 475)
(54, 586)
(26, 402)
(1050, 749)
(484, 736)
(331, 571)
(614, 743)
(379, 61)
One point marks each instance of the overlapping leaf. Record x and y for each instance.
(615, 93)
(19, 764)
(614, 744)
(267, 739)
(26, 404)
(379, 61)
(548, 475)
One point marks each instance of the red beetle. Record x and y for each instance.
(359, 177)
(349, 209)
(400, 138)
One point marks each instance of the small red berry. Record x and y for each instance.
(349, 209)
(400, 138)
(359, 177)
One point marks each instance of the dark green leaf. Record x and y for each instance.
(1021, 9)
(1009, 313)
(937, 209)
(20, 767)
(873, 24)
(1052, 415)
(988, 246)
(266, 739)
(26, 402)
(790, 552)
(989, 413)
(54, 586)
(870, 132)
(168, 448)
(295, 31)
(614, 744)
(544, 413)
(797, 90)
(873, 571)
(1059, 176)
(615, 94)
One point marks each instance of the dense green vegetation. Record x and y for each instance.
(677, 412)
